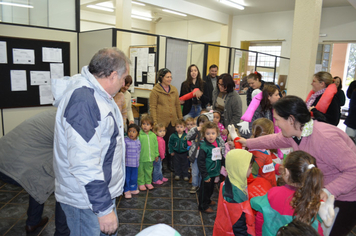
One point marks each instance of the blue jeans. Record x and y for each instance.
(157, 170)
(196, 178)
(131, 179)
(83, 221)
(194, 111)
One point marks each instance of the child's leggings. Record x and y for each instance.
(131, 179)
(145, 173)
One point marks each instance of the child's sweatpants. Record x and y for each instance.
(131, 179)
(145, 173)
(181, 164)
(205, 192)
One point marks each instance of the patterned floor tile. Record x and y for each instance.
(159, 203)
(189, 230)
(157, 216)
(209, 219)
(11, 187)
(133, 203)
(181, 184)
(6, 196)
(22, 198)
(160, 192)
(13, 210)
(186, 218)
(6, 224)
(208, 231)
(182, 193)
(128, 229)
(129, 216)
(185, 204)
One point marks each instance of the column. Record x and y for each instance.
(305, 40)
(123, 21)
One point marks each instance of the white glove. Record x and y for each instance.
(232, 131)
(244, 127)
(326, 211)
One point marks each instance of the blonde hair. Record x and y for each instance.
(325, 77)
(157, 127)
(189, 119)
(210, 125)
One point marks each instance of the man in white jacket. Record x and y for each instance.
(89, 148)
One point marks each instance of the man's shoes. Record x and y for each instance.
(212, 203)
(177, 177)
(209, 210)
(193, 189)
(31, 229)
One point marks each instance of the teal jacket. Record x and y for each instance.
(207, 167)
(149, 146)
(176, 144)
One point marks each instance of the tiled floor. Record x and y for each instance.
(170, 203)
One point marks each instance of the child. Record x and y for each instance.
(209, 164)
(297, 228)
(223, 131)
(263, 166)
(178, 149)
(133, 149)
(190, 124)
(298, 199)
(234, 215)
(149, 152)
(157, 176)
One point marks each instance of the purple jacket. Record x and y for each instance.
(334, 151)
(133, 149)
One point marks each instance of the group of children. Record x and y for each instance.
(199, 143)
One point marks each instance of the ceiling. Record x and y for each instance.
(251, 7)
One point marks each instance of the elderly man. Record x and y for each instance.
(89, 148)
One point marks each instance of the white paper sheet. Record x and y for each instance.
(46, 96)
(151, 77)
(18, 80)
(51, 54)
(151, 59)
(57, 70)
(3, 52)
(142, 64)
(151, 69)
(40, 77)
(23, 56)
(139, 75)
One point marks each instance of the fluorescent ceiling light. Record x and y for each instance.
(232, 4)
(106, 4)
(101, 8)
(138, 3)
(141, 17)
(174, 12)
(15, 4)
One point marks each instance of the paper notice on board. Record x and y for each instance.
(151, 69)
(3, 52)
(151, 59)
(51, 54)
(151, 77)
(57, 70)
(139, 75)
(40, 77)
(18, 80)
(142, 64)
(23, 56)
(46, 96)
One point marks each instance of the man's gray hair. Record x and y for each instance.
(107, 60)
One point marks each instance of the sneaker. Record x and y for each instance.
(135, 192)
(177, 177)
(165, 179)
(142, 187)
(150, 186)
(128, 195)
(193, 189)
(158, 182)
(186, 179)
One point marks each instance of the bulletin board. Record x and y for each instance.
(26, 66)
(143, 66)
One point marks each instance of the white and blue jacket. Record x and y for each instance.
(89, 147)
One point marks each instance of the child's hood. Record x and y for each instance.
(209, 115)
(237, 164)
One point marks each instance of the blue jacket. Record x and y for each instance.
(89, 147)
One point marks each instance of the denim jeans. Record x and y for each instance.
(194, 111)
(83, 221)
(157, 170)
(131, 179)
(196, 178)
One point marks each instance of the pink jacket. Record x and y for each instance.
(334, 151)
(161, 147)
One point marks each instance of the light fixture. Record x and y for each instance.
(174, 12)
(141, 17)
(138, 3)
(105, 4)
(15, 4)
(100, 8)
(232, 4)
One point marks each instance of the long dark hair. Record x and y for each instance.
(340, 85)
(309, 181)
(190, 79)
(293, 106)
(268, 90)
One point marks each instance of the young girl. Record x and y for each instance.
(234, 215)
(298, 199)
(263, 166)
(157, 176)
(133, 149)
(209, 164)
(223, 131)
(149, 153)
